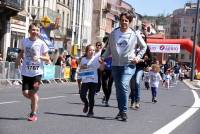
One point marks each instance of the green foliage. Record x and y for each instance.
(158, 20)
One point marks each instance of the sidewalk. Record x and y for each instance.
(195, 84)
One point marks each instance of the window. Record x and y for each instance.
(32, 2)
(38, 3)
(63, 18)
(16, 38)
(29, 4)
(192, 37)
(68, 2)
(193, 20)
(176, 56)
(64, 2)
(182, 56)
(67, 20)
(190, 56)
(184, 29)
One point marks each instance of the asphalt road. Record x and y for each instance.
(60, 112)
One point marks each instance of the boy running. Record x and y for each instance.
(33, 51)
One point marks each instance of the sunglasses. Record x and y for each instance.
(98, 45)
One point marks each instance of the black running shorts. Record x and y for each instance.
(31, 83)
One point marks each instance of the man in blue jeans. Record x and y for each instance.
(135, 83)
(122, 45)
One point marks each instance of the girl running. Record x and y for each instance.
(155, 78)
(89, 77)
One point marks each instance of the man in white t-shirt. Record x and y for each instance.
(34, 52)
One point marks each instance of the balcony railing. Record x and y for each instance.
(63, 31)
(40, 12)
(12, 4)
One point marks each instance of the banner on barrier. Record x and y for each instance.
(66, 73)
(49, 72)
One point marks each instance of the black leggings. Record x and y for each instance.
(107, 81)
(83, 93)
(99, 81)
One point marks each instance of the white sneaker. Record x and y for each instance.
(137, 105)
(16, 83)
(132, 106)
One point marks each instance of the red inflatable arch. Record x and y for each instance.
(185, 43)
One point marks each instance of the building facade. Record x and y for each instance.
(86, 28)
(100, 9)
(82, 22)
(106, 17)
(181, 25)
(81, 25)
(8, 9)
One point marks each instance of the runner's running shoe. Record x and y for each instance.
(85, 108)
(90, 114)
(32, 117)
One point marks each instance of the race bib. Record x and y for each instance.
(32, 66)
(87, 74)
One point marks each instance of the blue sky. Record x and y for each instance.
(156, 7)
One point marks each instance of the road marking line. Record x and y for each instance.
(48, 98)
(56, 97)
(179, 120)
(9, 102)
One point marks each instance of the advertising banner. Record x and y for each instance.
(164, 48)
(49, 72)
(66, 73)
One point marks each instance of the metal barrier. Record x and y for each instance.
(11, 75)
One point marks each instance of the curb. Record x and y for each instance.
(192, 84)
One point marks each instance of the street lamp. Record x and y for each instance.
(33, 17)
(44, 1)
(194, 42)
(33, 14)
